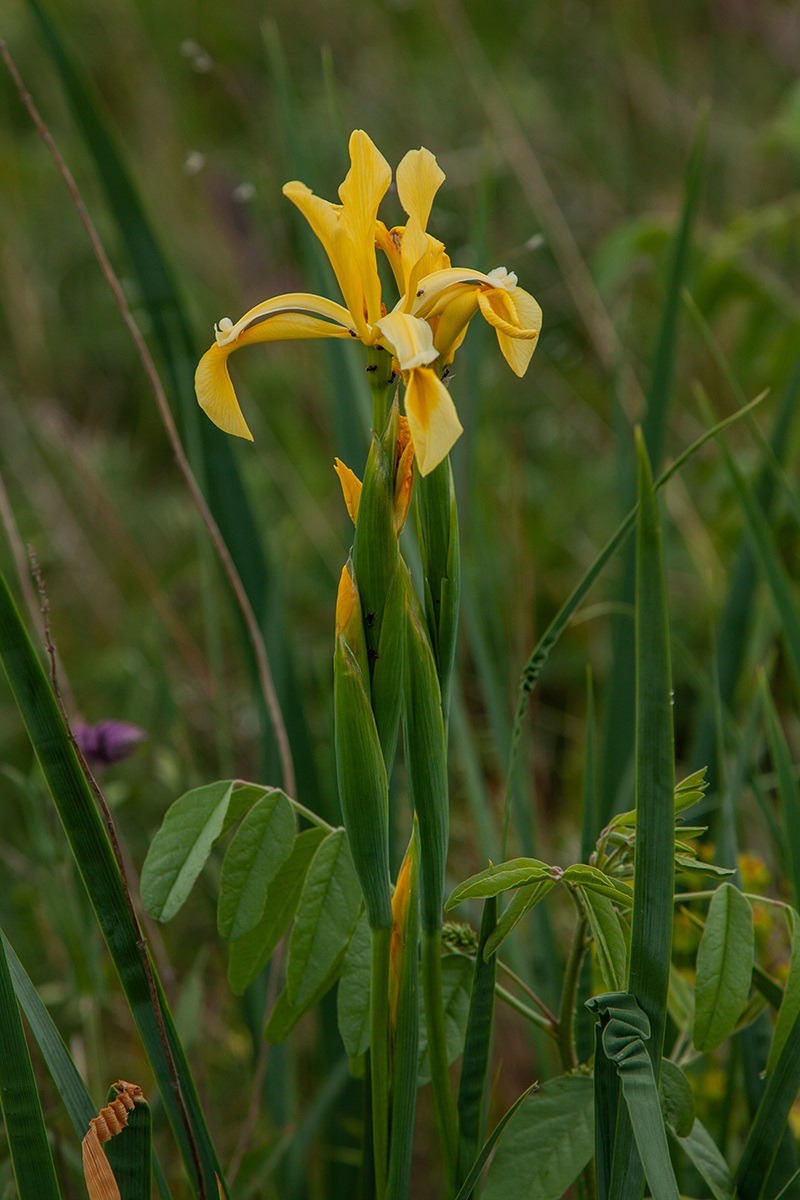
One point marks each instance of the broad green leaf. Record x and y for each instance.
(724, 967)
(677, 1098)
(26, 1134)
(456, 984)
(597, 881)
(609, 940)
(249, 955)
(790, 1006)
(701, 1150)
(546, 1144)
(465, 1191)
(352, 998)
(180, 849)
(285, 1015)
(494, 880)
(522, 902)
(326, 918)
(686, 862)
(258, 850)
(680, 1000)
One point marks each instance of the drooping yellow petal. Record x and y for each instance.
(432, 418)
(517, 320)
(418, 179)
(351, 487)
(450, 325)
(215, 393)
(409, 339)
(283, 318)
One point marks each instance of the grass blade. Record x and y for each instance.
(651, 918)
(477, 1047)
(95, 859)
(22, 1112)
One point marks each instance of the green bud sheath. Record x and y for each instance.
(375, 550)
(363, 790)
(437, 526)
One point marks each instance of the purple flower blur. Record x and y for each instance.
(108, 741)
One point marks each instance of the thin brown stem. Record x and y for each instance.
(150, 369)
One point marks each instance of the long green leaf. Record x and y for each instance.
(477, 1045)
(651, 919)
(77, 1101)
(770, 1120)
(788, 791)
(619, 715)
(98, 867)
(625, 1034)
(22, 1111)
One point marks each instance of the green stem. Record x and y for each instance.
(379, 1054)
(569, 991)
(437, 1051)
(381, 376)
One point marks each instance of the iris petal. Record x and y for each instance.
(432, 418)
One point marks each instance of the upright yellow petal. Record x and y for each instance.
(418, 178)
(432, 418)
(365, 185)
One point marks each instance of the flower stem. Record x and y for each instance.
(437, 1051)
(380, 375)
(379, 1054)
(566, 1021)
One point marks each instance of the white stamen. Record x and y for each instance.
(503, 278)
(222, 330)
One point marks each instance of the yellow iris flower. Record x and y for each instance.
(425, 327)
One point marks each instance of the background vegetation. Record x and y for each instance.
(565, 130)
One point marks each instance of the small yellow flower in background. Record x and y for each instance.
(424, 328)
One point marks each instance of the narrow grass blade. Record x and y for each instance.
(788, 791)
(762, 543)
(22, 1112)
(619, 718)
(770, 1120)
(473, 1175)
(208, 449)
(541, 653)
(65, 1075)
(734, 623)
(98, 867)
(652, 915)
(651, 920)
(477, 1047)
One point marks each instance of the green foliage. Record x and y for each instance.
(606, 225)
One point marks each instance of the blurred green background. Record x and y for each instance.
(565, 132)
